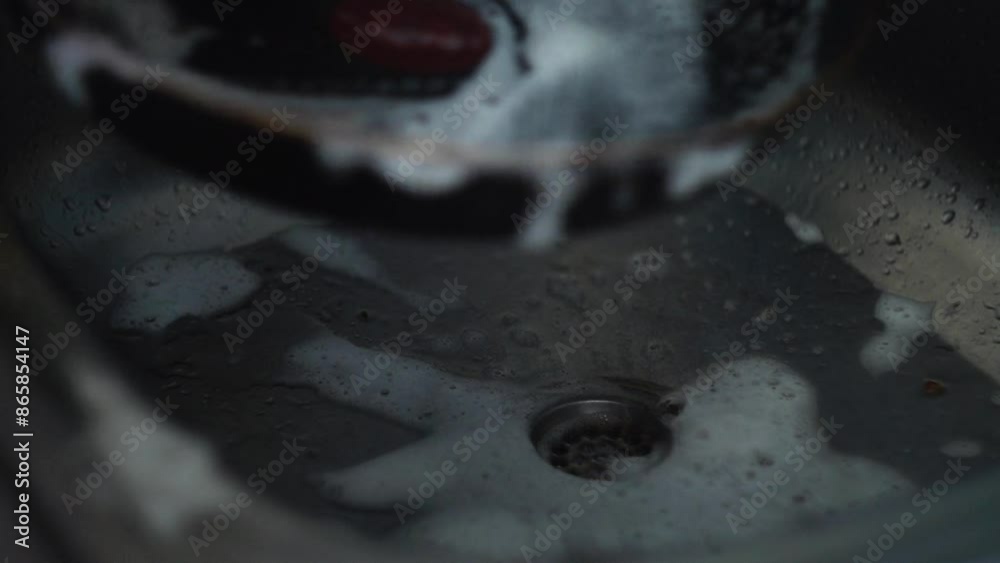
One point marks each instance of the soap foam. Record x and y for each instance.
(725, 442)
(807, 232)
(904, 320)
(962, 449)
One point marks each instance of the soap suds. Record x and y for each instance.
(691, 169)
(750, 426)
(962, 449)
(807, 232)
(904, 320)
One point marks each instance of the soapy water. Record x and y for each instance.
(481, 488)
(497, 492)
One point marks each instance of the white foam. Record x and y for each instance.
(564, 61)
(345, 370)
(169, 477)
(764, 412)
(549, 225)
(453, 530)
(962, 449)
(904, 319)
(807, 232)
(692, 168)
(725, 441)
(429, 178)
(167, 288)
(71, 56)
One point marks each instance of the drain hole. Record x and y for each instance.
(587, 437)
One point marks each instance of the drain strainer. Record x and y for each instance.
(586, 437)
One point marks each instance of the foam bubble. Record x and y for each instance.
(904, 320)
(807, 232)
(172, 478)
(695, 166)
(962, 449)
(356, 375)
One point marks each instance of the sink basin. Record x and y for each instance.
(796, 364)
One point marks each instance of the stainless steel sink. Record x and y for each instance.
(782, 368)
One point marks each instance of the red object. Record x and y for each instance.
(413, 36)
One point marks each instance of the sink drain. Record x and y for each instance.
(584, 437)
